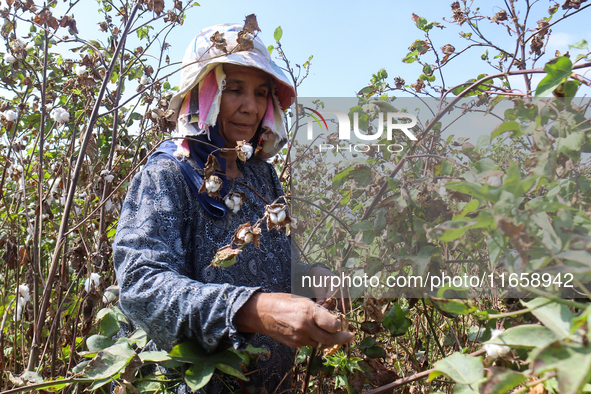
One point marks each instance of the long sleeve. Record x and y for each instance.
(154, 260)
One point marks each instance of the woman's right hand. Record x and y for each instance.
(290, 320)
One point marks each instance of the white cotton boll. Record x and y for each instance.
(63, 200)
(95, 278)
(109, 178)
(273, 218)
(281, 216)
(248, 149)
(229, 202)
(9, 59)
(105, 172)
(109, 205)
(144, 80)
(10, 115)
(19, 311)
(22, 301)
(23, 290)
(248, 238)
(64, 117)
(236, 208)
(495, 181)
(213, 184)
(59, 115)
(237, 200)
(242, 233)
(87, 285)
(80, 70)
(30, 45)
(443, 192)
(496, 351)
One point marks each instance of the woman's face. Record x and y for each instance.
(244, 102)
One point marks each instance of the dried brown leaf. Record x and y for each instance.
(250, 24)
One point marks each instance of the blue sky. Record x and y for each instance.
(351, 40)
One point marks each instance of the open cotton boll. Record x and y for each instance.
(95, 278)
(496, 351)
(80, 70)
(10, 115)
(9, 59)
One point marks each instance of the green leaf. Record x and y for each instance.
(460, 368)
(366, 343)
(198, 375)
(572, 143)
(484, 165)
(96, 343)
(341, 177)
(154, 356)
(504, 127)
(365, 225)
(109, 361)
(395, 320)
(470, 207)
(555, 316)
(139, 337)
(580, 256)
(143, 32)
(502, 380)
(557, 71)
(484, 192)
(375, 352)
(526, 336)
(458, 307)
(146, 386)
(572, 363)
(579, 45)
(278, 33)
(270, 49)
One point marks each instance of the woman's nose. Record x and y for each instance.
(249, 104)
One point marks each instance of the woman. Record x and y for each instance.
(172, 224)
